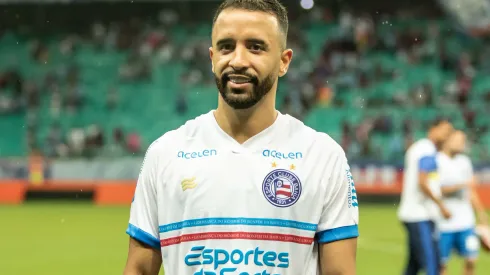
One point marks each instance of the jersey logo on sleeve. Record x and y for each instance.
(282, 188)
(188, 183)
(433, 175)
(352, 194)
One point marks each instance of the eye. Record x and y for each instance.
(256, 47)
(226, 48)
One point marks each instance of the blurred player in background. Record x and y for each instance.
(421, 201)
(245, 189)
(459, 195)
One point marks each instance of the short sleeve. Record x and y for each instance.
(143, 220)
(470, 167)
(427, 164)
(340, 214)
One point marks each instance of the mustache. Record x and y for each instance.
(226, 76)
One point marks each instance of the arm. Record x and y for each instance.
(448, 190)
(144, 256)
(338, 230)
(477, 205)
(142, 259)
(428, 169)
(342, 253)
(427, 165)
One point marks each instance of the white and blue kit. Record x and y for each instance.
(214, 206)
(418, 212)
(458, 232)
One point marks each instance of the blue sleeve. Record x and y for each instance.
(142, 236)
(337, 234)
(428, 164)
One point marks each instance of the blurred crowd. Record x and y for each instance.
(340, 67)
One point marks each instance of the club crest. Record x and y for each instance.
(281, 188)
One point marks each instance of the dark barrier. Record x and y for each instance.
(121, 192)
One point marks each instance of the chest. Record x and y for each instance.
(243, 184)
(453, 172)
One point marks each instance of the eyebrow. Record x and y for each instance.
(258, 41)
(225, 41)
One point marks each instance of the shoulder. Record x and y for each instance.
(424, 146)
(463, 159)
(316, 142)
(441, 157)
(167, 144)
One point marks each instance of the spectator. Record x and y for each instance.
(181, 103)
(346, 136)
(32, 138)
(134, 143)
(56, 102)
(464, 83)
(68, 45)
(99, 34)
(117, 146)
(32, 95)
(287, 105)
(136, 68)
(54, 145)
(357, 66)
(39, 52)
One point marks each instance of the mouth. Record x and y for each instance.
(238, 86)
(238, 82)
(239, 79)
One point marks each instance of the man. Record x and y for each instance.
(459, 195)
(420, 202)
(244, 189)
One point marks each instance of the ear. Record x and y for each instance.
(286, 57)
(211, 57)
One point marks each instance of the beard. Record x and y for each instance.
(244, 98)
(440, 144)
(457, 151)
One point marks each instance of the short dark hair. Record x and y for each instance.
(273, 7)
(438, 121)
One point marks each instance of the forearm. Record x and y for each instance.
(338, 258)
(136, 271)
(424, 186)
(139, 270)
(476, 203)
(142, 259)
(448, 190)
(339, 272)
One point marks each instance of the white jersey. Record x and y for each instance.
(455, 171)
(214, 206)
(415, 206)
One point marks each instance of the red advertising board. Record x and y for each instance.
(121, 192)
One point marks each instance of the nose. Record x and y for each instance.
(239, 58)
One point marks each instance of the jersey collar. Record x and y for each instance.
(254, 143)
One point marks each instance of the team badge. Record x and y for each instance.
(281, 188)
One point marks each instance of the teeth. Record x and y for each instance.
(239, 81)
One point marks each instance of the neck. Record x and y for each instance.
(448, 152)
(244, 124)
(431, 138)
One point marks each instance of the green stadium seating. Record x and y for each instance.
(149, 107)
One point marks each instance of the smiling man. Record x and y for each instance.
(274, 198)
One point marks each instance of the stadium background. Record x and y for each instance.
(85, 86)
